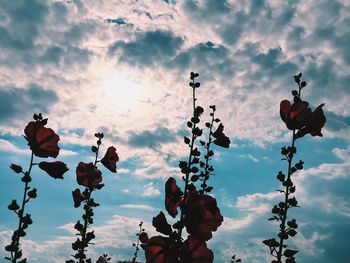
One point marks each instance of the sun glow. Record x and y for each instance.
(120, 92)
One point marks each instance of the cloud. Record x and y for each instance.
(150, 190)
(136, 206)
(152, 139)
(23, 102)
(148, 48)
(7, 146)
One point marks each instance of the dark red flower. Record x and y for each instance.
(110, 159)
(196, 251)
(160, 249)
(41, 140)
(298, 116)
(77, 197)
(161, 224)
(220, 138)
(54, 169)
(88, 175)
(202, 216)
(295, 116)
(143, 237)
(172, 196)
(314, 124)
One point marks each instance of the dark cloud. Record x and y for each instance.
(117, 21)
(152, 139)
(208, 58)
(149, 48)
(24, 20)
(22, 103)
(207, 9)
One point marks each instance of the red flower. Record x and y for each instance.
(54, 169)
(88, 175)
(161, 224)
(221, 139)
(110, 159)
(299, 116)
(295, 116)
(41, 140)
(314, 124)
(160, 249)
(172, 196)
(77, 197)
(196, 251)
(202, 216)
(143, 237)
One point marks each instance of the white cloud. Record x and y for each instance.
(150, 190)
(141, 207)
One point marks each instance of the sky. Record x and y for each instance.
(122, 68)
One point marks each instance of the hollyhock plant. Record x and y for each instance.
(196, 251)
(43, 142)
(199, 213)
(110, 159)
(299, 118)
(202, 216)
(90, 176)
(54, 169)
(173, 195)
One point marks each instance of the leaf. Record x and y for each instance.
(291, 232)
(187, 140)
(290, 252)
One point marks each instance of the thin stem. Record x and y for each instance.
(21, 212)
(86, 225)
(88, 211)
(284, 217)
(206, 172)
(189, 158)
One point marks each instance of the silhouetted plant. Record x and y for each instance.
(141, 237)
(104, 259)
(298, 118)
(89, 176)
(43, 142)
(199, 212)
(234, 259)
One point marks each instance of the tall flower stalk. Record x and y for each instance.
(89, 176)
(301, 121)
(199, 213)
(42, 142)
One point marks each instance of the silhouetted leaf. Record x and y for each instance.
(290, 252)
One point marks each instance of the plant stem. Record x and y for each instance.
(21, 212)
(86, 225)
(284, 217)
(206, 172)
(189, 158)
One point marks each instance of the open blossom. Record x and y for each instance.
(88, 175)
(202, 216)
(172, 196)
(220, 138)
(41, 140)
(196, 251)
(160, 249)
(295, 115)
(298, 116)
(54, 169)
(110, 159)
(314, 124)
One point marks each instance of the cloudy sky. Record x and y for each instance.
(122, 67)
